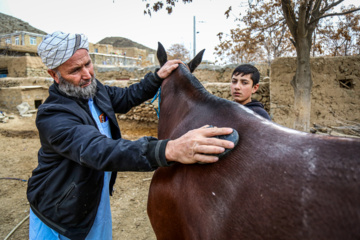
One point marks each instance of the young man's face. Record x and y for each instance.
(242, 88)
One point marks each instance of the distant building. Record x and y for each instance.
(19, 58)
(19, 43)
(106, 54)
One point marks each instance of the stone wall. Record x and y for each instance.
(25, 66)
(10, 97)
(121, 73)
(5, 61)
(214, 73)
(215, 79)
(146, 112)
(205, 72)
(335, 92)
(14, 91)
(26, 81)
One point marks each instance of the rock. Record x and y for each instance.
(26, 115)
(23, 108)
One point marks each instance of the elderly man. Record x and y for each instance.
(81, 145)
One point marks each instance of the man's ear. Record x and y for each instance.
(53, 75)
(255, 88)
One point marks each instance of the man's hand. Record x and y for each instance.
(192, 146)
(167, 68)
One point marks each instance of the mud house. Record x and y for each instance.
(335, 95)
(335, 92)
(20, 43)
(106, 54)
(14, 96)
(24, 78)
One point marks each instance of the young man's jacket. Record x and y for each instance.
(258, 108)
(65, 188)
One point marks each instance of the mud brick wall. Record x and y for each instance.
(335, 92)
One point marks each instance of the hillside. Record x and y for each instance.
(9, 24)
(124, 42)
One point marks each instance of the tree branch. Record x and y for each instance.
(302, 21)
(309, 9)
(273, 24)
(327, 7)
(289, 16)
(316, 10)
(293, 42)
(333, 14)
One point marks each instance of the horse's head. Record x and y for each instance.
(192, 65)
(179, 89)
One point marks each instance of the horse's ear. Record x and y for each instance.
(195, 62)
(161, 54)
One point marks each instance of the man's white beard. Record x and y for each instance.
(77, 91)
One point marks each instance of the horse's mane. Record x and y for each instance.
(205, 94)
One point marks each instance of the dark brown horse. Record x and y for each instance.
(277, 183)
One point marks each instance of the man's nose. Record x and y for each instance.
(85, 73)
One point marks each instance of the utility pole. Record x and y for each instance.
(194, 47)
(195, 32)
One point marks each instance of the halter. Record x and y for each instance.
(157, 95)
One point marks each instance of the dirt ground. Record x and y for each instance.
(19, 144)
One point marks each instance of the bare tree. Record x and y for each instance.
(266, 34)
(339, 36)
(178, 51)
(301, 18)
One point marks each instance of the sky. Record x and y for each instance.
(125, 18)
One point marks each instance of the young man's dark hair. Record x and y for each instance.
(246, 69)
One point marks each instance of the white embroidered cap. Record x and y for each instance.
(58, 47)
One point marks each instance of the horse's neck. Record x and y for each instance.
(180, 96)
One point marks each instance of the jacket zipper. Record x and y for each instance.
(65, 195)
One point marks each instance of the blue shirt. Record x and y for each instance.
(102, 227)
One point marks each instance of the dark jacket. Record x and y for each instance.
(64, 190)
(258, 108)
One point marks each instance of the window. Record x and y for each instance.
(3, 72)
(96, 50)
(8, 41)
(17, 42)
(32, 40)
(37, 103)
(346, 83)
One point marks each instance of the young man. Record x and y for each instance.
(81, 145)
(245, 82)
